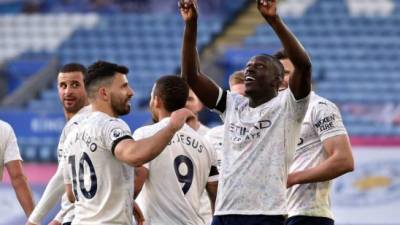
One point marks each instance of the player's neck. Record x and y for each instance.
(69, 115)
(98, 107)
(163, 114)
(255, 101)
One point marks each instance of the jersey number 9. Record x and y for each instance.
(184, 177)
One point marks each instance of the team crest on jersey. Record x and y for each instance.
(116, 133)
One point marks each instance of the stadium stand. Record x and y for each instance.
(128, 34)
(355, 52)
(354, 48)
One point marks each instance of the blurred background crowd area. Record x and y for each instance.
(354, 46)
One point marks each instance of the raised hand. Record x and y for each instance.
(188, 9)
(180, 117)
(267, 8)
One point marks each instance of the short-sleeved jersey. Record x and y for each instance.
(205, 206)
(322, 121)
(202, 130)
(9, 150)
(215, 136)
(258, 148)
(73, 123)
(177, 177)
(102, 185)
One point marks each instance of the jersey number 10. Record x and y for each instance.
(88, 194)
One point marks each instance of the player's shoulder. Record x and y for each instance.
(151, 129)
(5, 126)
(102, 118)
(215, 130)
(318, 102)
(147, 130)
(235, 97)
(5, 129)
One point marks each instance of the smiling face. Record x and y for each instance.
(262, 76)
(71, 91)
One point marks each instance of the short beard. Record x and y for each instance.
(75, 108)
(119, 107)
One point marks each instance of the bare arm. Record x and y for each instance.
(137, 153)
(203, 87)
(141, 175)
(53, 192)
(212, 188)
(70, 193)
(138, 214)
(339, 162)
(20, 185)
(300, 82)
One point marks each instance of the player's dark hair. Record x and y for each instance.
(101, 72)
(173, 91)
(74, 67)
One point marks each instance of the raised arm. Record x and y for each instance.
(300, 82)
(206, 89)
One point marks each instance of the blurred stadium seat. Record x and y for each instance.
(146, 38)
(354, 48)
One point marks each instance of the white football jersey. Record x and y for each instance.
(258, 148)
(177, 177)
(66, 206)
(9, 150)
(322, 121)
(102, 185)
(202, 130)
(215, 136)
(205, 206)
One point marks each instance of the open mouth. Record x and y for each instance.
(249, 78)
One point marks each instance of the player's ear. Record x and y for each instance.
(158, 102)
(103, 93)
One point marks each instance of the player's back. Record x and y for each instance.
(177, 177)
(102, 185)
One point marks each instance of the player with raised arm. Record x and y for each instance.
(72, 94)
(11, 159)
(215, 136)
(322, 154)
(261, 128)
(175, 180)
(102, 152)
